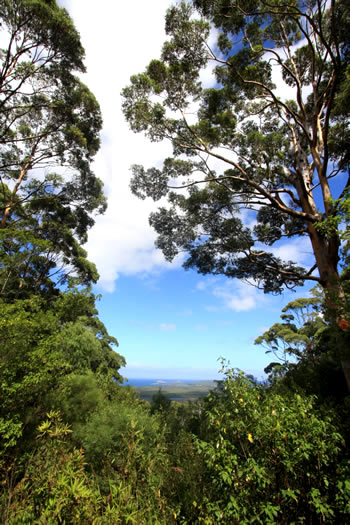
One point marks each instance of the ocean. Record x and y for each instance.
(138, 382)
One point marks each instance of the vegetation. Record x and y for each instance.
(177, 391)
(283, 149)
(247, 156)
(76, 446)
(49, 125)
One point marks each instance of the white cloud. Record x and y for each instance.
(283, 90)
(122, 240)
(296, 250)
(242, 297)
(236, 300)
(200, 327)
(202, 285)
(164, 327)
(187, 312)
(207, 76)
(233, 294)
(211, 308)
(239, 296)
(206, 283)
(167, 327)
(224, 323)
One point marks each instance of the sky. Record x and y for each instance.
(170, 323)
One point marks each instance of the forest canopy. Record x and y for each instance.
(50, 123)
(250, 170)
(50, 335)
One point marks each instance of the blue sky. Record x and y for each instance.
(170, 323)
(176, 325)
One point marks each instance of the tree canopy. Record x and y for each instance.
(76, 446)
(250, 168)
(51, 340)
(50, 123)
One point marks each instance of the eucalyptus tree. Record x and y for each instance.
(49, 133)
(40, 248)
(250, 168)
(297, 335)
(307, 348)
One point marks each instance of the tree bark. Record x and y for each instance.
(346, 369)
(10, 204)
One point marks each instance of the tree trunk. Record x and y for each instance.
(346, 369)
(10, 204)
(327, 258)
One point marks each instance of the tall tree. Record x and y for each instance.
(298, 334)
(40, 248)
(245, 148)
(42, 345)
(308, 348)
(49, 125)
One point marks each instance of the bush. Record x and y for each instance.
(125, 446)
(57, 486)
(270, 459)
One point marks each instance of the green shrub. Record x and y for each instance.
(77, 397)
(270, 459)
(125, 446)
(58, 488)
(55, 487)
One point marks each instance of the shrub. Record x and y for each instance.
(125, 446)
(270, 459)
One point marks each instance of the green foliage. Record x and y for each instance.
(75, 446)
(40, 345)
(55, 487)
(54, 351)
(297, 336)
(309, 348)
(245, 155)
(49, 120)
(183, 482)
(160, 402)
(78, 396)
(270, 458)
(28, 366)
(125, 440)
(125, 446)
(41, 241)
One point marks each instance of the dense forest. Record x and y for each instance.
(77, 446)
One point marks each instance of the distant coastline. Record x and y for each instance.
(175, 389)
(141, 382)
